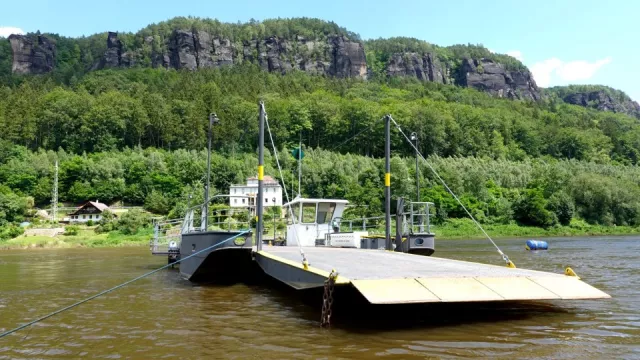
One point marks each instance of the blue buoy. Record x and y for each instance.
(536, 245)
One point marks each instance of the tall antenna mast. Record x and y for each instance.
(54, 196)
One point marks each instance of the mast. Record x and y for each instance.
(299, 163)
(213, 118)
(260, 198)
(387, 181)
(54, 195)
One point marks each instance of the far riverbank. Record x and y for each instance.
(455, 229)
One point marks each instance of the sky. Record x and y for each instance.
(561, 41)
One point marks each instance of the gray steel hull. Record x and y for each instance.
(218, 263)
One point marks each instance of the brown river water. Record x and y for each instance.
(163, 316)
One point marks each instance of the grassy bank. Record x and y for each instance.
(466, 229)
(86, 237)
(455, 229)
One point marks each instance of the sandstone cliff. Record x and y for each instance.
(487, 75)
(32, 54)
(334, 56)
(425, 67)
(605, 102)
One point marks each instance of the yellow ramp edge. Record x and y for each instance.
(518, 288)
(394, 291)
(570, 288)
(464, 289)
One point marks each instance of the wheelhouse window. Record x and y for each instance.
(325, 212)
(295, 209)
(308, 213)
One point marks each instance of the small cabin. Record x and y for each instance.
(92, 210)
(314, 219)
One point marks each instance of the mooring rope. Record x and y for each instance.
(117, 287)
(504, 256)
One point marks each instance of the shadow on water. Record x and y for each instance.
(353, 313)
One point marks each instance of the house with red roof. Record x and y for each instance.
(92, 210)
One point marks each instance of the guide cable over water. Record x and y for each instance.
(504, 256)
(9, 332)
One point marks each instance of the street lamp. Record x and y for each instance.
(414, 138)
(274, 219)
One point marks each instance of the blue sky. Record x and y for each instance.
(562, 41)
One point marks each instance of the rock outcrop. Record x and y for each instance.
(336, 56)
(604, 102)
(489, 76)
(32, 54)
(423, 67)
(115, 56)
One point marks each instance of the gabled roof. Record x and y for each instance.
(98, 205)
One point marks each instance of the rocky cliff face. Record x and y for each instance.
(423, 67)
(335, 56)
(489, 76)
(602, 101)
(481, 74)
(32, 54)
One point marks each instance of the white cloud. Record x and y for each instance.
(565, 71)
(5, 31)
(516, 54)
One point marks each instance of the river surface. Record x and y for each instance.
(162, 316)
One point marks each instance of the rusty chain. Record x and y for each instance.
(327, 299)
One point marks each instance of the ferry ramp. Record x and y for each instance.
(385, 277)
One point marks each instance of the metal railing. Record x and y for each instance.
(418, 221)
(170, 231)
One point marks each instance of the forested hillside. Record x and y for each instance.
(137, 134)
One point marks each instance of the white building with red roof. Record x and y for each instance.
(92, 210)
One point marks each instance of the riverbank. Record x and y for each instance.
(455, 229)
(85, 237)
(459, 229)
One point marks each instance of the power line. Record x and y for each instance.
(356, 135)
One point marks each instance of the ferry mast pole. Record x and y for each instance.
(387, 181)
(213, 119)
(260, 198)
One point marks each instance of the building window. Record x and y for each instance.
(83, 216)
(243, 201)
(266, 200)
(235, 201)
(90, 216)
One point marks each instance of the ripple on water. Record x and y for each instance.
(152, 318)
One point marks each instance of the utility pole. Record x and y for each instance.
(54, 196)
(387, 181)
(213, 119)
(260, 198)
(414, 137)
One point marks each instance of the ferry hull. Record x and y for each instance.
(222, 263)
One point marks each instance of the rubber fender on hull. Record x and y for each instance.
(536, 245)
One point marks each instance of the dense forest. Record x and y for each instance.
(137, 135)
